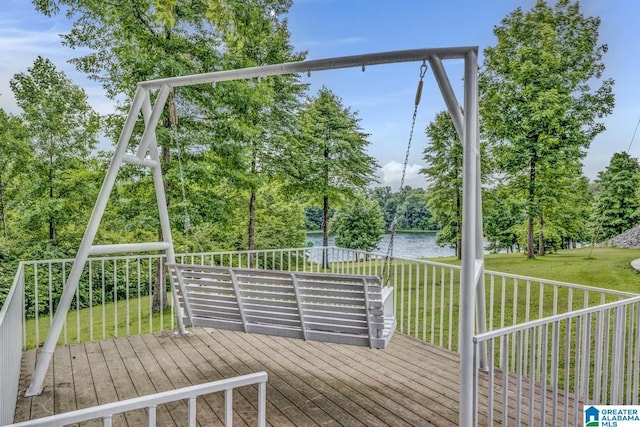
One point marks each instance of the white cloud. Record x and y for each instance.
(390, 174)
(23, 46)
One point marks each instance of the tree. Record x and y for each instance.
(413, 212)
(618, 203)
(15, 159)
(503, 216)
(330, 163)
(443, 171)
(312, 218)
(62, 126)
(256, 125)
(125, 39)
(360, 225)
(537, 104)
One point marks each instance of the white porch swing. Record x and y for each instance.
(361, 309)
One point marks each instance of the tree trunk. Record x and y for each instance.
(251, 232)
(3, 213)
(160, 300)
(325, 230)
(532, 198)
(251, 243)
(541, 235)
(52, 223)
(325, 203)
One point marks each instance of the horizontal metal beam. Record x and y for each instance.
(134, 160)
(365, 60)
(128, 247)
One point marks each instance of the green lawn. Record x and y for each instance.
(606, 268)
(86, 324)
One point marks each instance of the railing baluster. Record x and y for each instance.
(519, 370)
(104, 296)
(416, 333)
(425, 289)
(555, 332)
(505, 379)
(228, 408)
(192, 411)
(36, 294)
(127, 307)
(409, 293)
(451, 316)
(491, 385)
(532, 373)
(151, 418)
(442, 281)
(115, 298)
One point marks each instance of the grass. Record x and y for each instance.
(606, 268)
(121, 319)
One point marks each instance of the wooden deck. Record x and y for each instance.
(310, 383)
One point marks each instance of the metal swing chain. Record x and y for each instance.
(386, 274)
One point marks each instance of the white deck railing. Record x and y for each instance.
(426, 295)
(557, 365)
(11, 339)
(426, 292)
(150, 403)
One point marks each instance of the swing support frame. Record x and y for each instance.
(466, 125)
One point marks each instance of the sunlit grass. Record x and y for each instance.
(608, 268)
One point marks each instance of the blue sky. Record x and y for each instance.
(382, 95)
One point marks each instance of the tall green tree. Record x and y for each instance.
(62, 127)
(359, 225)
(618, 203)
(124, 42)
(503, 216)
(537, 101)
(443, 170)
(15, 159)
(413, 212)
(330, 163)
(253, 130)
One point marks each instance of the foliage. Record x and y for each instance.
(360, 225)
(313, 218)
(279, 221)
(503, 216)
(63, 129)
(252, 131)
(443, 170)
(408, 206)
(537, 103)
(617, 206)
(328, 163)
(15, 154)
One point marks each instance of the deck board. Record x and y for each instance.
(410, 383)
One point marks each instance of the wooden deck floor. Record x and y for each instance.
(310, 383)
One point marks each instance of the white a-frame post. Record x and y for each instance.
(147, 156)
(465, 122)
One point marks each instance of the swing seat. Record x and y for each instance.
(345, 309)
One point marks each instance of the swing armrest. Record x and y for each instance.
(387, 301)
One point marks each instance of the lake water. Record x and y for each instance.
(405, 245)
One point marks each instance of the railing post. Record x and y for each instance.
(471, 261)
(618, 353)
